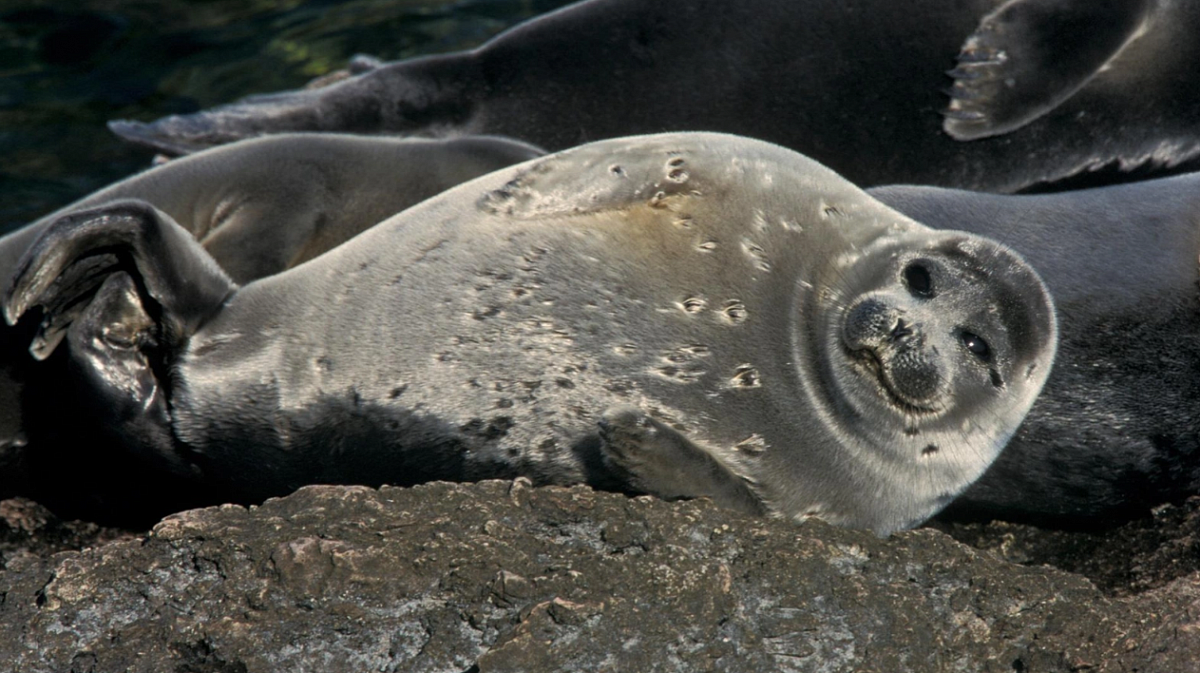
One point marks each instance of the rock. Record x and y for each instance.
(1135, 557)
(499, 576)
(28, 528)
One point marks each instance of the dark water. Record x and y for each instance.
(67, 67)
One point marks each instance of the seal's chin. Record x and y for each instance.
(872, 372)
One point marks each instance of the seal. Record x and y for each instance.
(257, 207)
(683, 315)
(1047, 91)
(264, 205)
(1114, 432)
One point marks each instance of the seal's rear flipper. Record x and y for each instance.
(126, 286)
(661, 461)
(402, 98)
(180, 283)
(1030, 55)
(253, 116)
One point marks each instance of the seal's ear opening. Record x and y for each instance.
(1024, 304)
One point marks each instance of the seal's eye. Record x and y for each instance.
(918, 280)
(976, 345)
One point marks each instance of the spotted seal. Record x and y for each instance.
(683, 315)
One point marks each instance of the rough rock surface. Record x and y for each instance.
(499, 576)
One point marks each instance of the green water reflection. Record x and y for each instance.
(68, 67)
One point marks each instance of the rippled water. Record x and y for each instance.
(67, 68)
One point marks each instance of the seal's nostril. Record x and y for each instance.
(901, 330)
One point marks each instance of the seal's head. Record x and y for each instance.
(945, 328)
(938, 346)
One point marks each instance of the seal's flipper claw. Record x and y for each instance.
(1028, 56)
(657, 459)
(66, 300)
(78, 251)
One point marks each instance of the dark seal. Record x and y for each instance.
(1055, 89)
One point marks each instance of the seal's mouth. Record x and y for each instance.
(868, 361)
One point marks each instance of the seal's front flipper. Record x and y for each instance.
(661, 461)
(178, 281)
(1030, 55)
